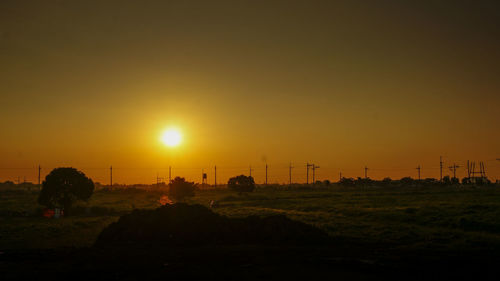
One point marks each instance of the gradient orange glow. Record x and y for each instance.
(393, 86)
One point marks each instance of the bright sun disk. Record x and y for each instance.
(171, 137)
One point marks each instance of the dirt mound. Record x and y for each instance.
(186, 225)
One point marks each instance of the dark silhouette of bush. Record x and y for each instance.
(429, 181)
(446, 180)
(241, 183)
(364, 181)
(406, 181)
(64, 186)
(347, 182)
(386, 181)
(180, 189)
(181, 224)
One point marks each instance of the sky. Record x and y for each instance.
(343, 84)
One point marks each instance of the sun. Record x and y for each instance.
(171, 137)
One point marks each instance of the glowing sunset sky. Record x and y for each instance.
(343, 84)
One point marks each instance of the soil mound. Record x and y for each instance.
(186, 225)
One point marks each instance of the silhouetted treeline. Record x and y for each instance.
(408, 181)
(18, 186)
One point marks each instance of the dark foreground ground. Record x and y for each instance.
(378, 233)
(244, 263)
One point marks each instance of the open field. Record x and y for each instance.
(378, 232)
(414, 219)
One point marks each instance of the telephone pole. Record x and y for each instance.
(314, 167)
(440, 168)
(169, 174)
(110, 176)
(266, 173)
(307, 172)
(250, 170)
(39, 170)
(215, 176)
(454, 169)
(340, 176)
(366, 172)
(290, 174)
(418, 169)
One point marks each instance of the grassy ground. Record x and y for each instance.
(403, 219)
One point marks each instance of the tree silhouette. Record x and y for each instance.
(446, 180)
(241, 183)
(347, 182)
(63, 186)
(180, 189)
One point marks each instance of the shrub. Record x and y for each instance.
(347, 182)
(180, 189)
(241, 183)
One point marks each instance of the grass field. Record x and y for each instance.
(442, 219)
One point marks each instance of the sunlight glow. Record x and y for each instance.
(171, 137)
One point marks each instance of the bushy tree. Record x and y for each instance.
(241, 183)
(64, 186)
(180, 189)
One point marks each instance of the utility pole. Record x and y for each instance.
(169, 174)
(314, 167)
(39, 170)
(418, 169)
(266, 173)
(158, 179)
(250, 170)
(340, 176)
(440, 168)
(454, 169)
(468, 169)
(290, 174)
(215, 176)
(307, 172)
(110, 176)
(366, 172)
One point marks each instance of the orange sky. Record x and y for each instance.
(342, 84)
